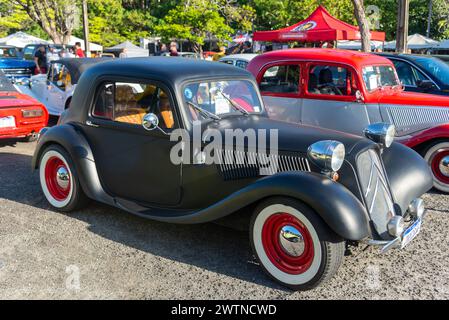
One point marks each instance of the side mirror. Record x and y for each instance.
(425, 84)
(359, 96)
(150, 121)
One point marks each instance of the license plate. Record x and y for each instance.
(7, 122)
(411, 233)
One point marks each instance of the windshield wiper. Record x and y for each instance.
(203, 111)
(236, 106)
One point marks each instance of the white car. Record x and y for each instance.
(239, 60)
(190, 55)
(56, 88)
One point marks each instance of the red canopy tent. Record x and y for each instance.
(319, 26)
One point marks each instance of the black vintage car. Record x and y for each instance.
(139, 136)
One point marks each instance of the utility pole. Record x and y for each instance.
(402, 29)
(86, 29)
(429, 19)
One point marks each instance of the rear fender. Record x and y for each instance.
(74, 142)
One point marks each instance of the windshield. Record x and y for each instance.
(8, 53)
(379, 76)
(436, 67)
(221, 97)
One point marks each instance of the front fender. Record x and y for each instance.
(408, 173)
(335, 204)
(74, 142)
(437, 132)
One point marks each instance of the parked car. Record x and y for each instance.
(421, 73)
(347, 91)
(56, 88)
(238, 60)
(443, 57)
(21, 117)
(119, 144)
(13, 66)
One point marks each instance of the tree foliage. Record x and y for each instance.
(112, 21)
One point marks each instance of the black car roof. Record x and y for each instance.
(172, 69)
(77, 66)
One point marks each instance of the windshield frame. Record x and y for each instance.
(183, 102)
(398, 82)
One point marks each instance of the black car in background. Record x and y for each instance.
(421, 73)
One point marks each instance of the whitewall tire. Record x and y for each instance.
(293, 244)
(59, 181)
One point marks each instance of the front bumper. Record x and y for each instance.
(414, 224)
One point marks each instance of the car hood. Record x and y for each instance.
(413, 98)
(291, 137)
(15, 63)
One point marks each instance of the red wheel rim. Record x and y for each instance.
(56, 189)
(278, 256)
(435, 165)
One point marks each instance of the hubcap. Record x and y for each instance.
(439, 163)
(444, 166)
(287, 243)
(291, 240)
(62, 177)
(57, 178)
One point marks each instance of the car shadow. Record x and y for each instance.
(208, 246)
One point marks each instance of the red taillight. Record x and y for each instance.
(32, 113)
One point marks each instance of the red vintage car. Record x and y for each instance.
(20, 115)
(347, 91)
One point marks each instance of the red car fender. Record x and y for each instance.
(437, 132)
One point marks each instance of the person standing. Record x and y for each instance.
(123, 53)
(79, 53)
(163, 50)
(40, 58)
(173, 49)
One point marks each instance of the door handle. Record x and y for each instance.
(92, 124)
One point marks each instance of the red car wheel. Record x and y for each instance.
(438, 158)
(288, 239)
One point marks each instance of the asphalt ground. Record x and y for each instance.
(103, 252)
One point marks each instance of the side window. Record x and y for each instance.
(241, 64)
(281, 79)
(405, 73)
(104, 102)
(331, 80)
(128, 102)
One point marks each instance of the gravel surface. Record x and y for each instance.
(103, 252)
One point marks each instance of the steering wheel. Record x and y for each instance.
(331, 88)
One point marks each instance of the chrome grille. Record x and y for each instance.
(416, 116)
(375, 190)
(237, 164)
(16, 72)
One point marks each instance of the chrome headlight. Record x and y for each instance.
(327, 154)
(381, 133)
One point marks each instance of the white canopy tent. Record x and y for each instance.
(443, 45)
(414, 42)
(93, 46)
(131, 49)
(357, 45)
(20, 40)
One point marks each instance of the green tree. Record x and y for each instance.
(57, 17)
(194, 20)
